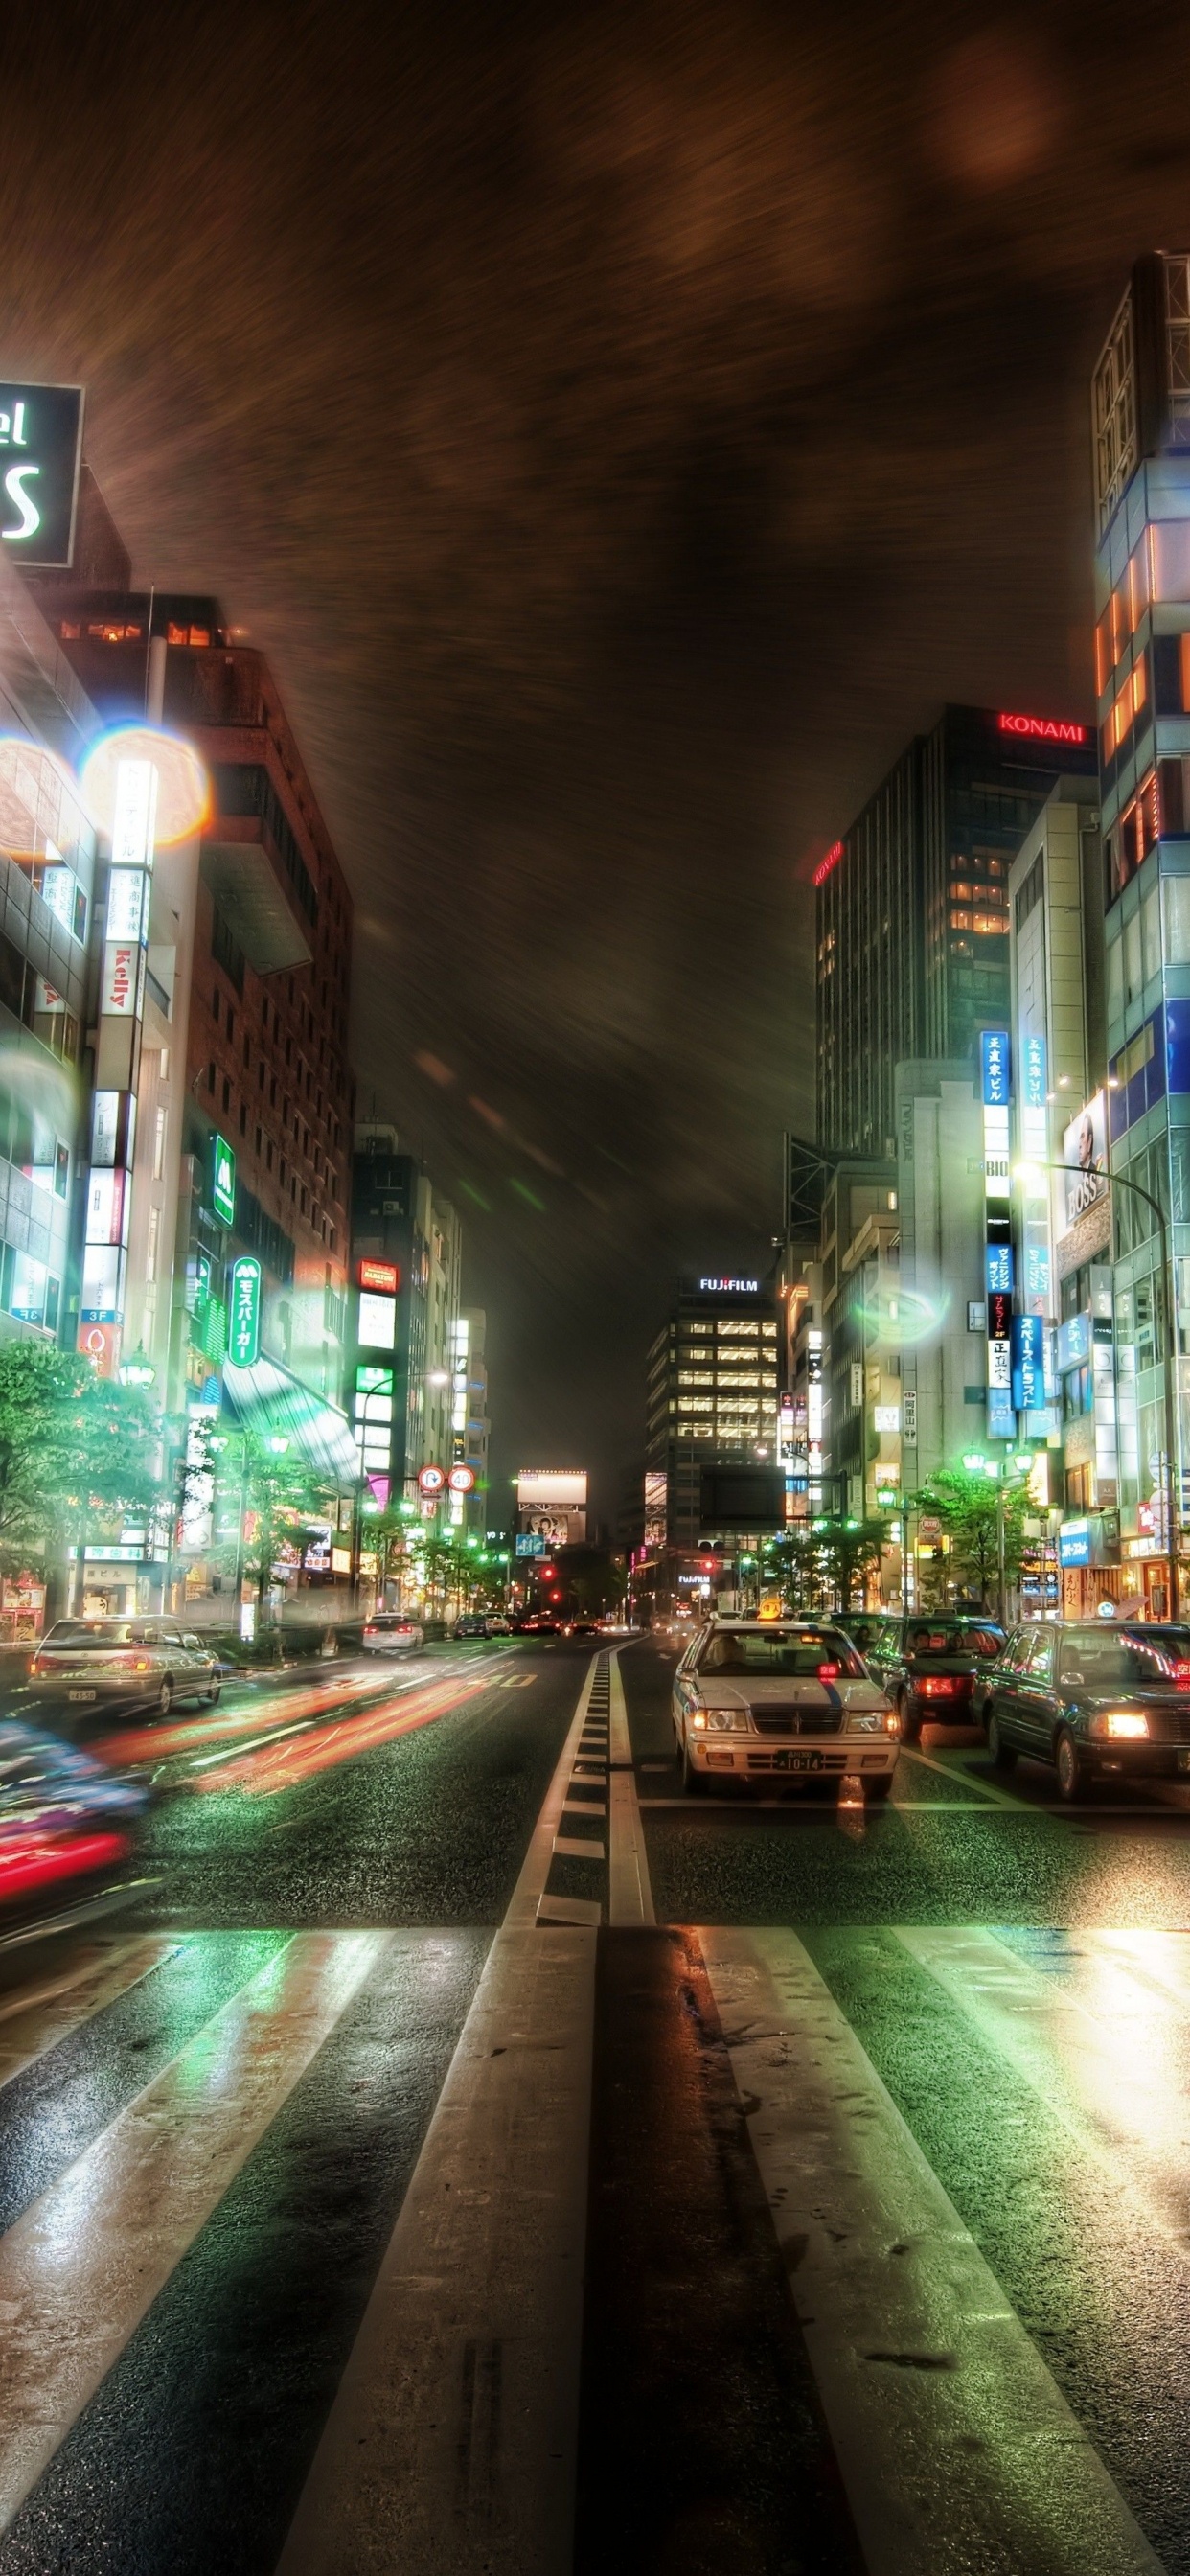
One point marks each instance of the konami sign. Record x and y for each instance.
(1043, 728)
(823, 869)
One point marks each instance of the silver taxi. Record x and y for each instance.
(132, 1663)
(786, 1699)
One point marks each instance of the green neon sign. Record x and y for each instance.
(243, 1319)
(223, 1181)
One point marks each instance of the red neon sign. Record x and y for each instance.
(383, 1277)
(1042, 729)
(823, 869)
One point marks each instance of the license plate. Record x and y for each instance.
(80, 1694)
(797, 1761)
(1184, 1761)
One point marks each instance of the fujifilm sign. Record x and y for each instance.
(729, 1287)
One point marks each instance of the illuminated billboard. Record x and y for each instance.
(552, 1503)
(41, 446)
(1084, 1146)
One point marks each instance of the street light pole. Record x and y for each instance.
(1120, 1180)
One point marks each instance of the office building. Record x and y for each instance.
(712, 1396)
(406, 1246)
(1141, 424)
(912, 909)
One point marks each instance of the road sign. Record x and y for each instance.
(462, 1480)
(432, 1480)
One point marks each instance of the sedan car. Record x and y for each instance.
(934, 1665)
(759, 1699)
(144, 1664)
(471, 1624)
(1098, 1702)
(68, 1831)
(389, 1632)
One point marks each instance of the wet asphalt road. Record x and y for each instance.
(1017, 1979)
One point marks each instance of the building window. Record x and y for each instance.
(159, 1143)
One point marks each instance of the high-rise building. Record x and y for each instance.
(471, 1424)
(912, 909)
(1141, 425)
(712, 1395)
(404, 1397)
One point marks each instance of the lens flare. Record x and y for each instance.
(904, 1316)
(183, 788)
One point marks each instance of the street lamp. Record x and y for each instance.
(1120, 1180)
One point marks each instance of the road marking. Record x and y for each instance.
(630, 1895)
(82, 2266)
(519, 1681)
(40, 2019)
(450, 2448)
(982, 1788)
(945, 2421)
(1101, 2046)
(578, 1847)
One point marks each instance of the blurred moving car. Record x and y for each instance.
(68, 1829)
(1097, 1702)
(758, 1697)
(389, 1632)
(128, 1663)
(935, 1665)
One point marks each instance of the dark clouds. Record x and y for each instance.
(621, 426)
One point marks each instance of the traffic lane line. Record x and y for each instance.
(702, 2443)
(82, 2266)
(450, 2447)
(945, 2421)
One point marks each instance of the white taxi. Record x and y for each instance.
(788, 1700)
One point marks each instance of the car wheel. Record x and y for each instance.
(1003, 1755)
(1072, 1770)
(165, 1698)
(692, 1780)
(910, 1721)
(213, 1693)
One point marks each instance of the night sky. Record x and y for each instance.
(622, 427)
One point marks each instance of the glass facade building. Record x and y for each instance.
(912, 911)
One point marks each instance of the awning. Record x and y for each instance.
(270, 1400)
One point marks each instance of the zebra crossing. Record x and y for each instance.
(297, 2237)
(450, 2435)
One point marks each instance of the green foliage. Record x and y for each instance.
(71, 1445)
(280, 1493)
(824, 1564)
(963, 1500)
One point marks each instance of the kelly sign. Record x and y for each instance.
(41, 447)
(223, 1181)
(243, 1318)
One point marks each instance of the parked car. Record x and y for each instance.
(389, 1632)
(142, 1664)
(68, 1830)
(497, 1625)
(1097, 1702)
(755, 1699)
(934, 1665)
(471, 1624)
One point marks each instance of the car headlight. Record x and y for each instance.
(1127, 1723)
(726, 1721)
(868, 1721)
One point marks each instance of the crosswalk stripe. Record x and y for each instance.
(1095, 2045)
(946, 2423)
(33, 2023)
(80, 2269)
(450, 2448)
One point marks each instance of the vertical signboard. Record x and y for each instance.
(995, 1083)
(41, 448)
(243, 1317)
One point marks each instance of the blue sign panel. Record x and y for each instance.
(1033, 1072)
(1074, 1543)
(994, 1063)
(1074, 1343)
(999, 1269)
(1001, 1418)
(1028, 1362)
(1037, 1271)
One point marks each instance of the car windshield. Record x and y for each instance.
(936, 1637)
(1103, 1661)
(101, 1632)
(779, 1651)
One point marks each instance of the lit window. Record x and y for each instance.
(695, 1377)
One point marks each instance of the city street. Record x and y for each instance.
(470, 2154)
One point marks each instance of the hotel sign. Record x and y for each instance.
(41, 449)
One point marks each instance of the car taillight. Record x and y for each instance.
(828, 1672)
(37, 1666)
(1181, 1675)
(939, 1686)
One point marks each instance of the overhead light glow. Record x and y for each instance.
(40, 799)
(183, 788)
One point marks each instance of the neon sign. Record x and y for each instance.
(833, 856)
(1040, 729)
